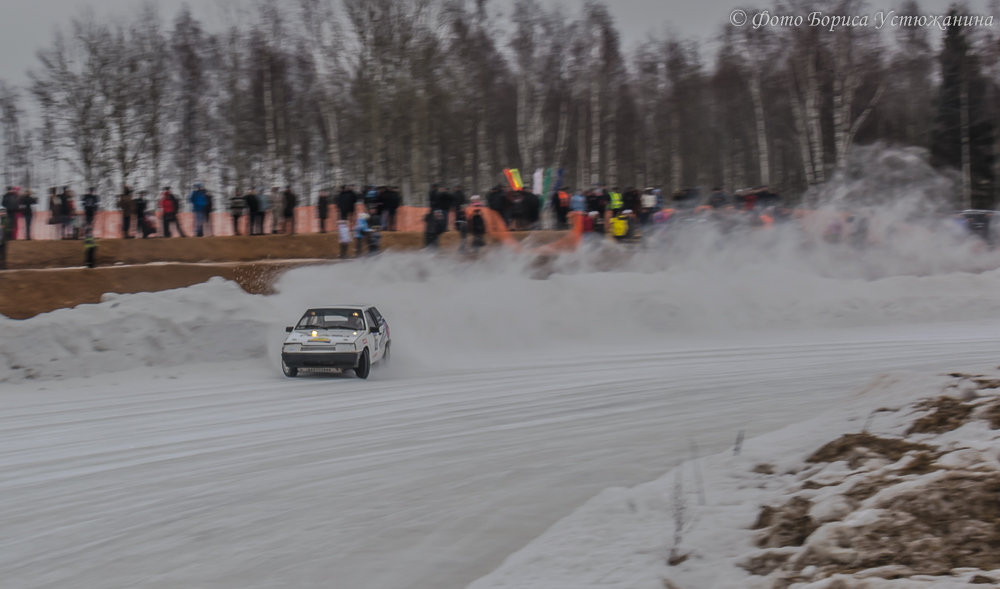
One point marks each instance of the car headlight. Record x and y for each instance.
(345, 347)
(291, 347)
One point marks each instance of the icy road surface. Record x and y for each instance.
(151, 440)
(233, 476)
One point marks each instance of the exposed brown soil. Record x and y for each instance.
(788, 525)
(45, 275)
(947, 413)
(856, 448)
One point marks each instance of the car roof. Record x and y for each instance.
(340, 306)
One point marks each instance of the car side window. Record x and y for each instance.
(376, 314)
(373, 319)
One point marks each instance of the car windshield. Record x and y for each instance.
(332, 319)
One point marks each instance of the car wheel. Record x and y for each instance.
(385, 354)
(290, 371)
(364, 366)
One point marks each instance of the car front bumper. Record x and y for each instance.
(320, 359)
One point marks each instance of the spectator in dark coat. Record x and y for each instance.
(255, 220)
(27, 202)
(393, 200)
(323, 209)
(91, 203)
(347, 200)
(12, 206)
(289, 200)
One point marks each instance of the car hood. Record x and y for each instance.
(333, 336)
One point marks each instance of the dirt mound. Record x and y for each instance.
(901, 510)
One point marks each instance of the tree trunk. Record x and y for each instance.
(483, 160)
(595, 130)
(802, 132)
(676, 157)
(272, 140)
(813, 119)
(966, 147)
(763, 155)
(583, 170)
(611, 164)
(523, 142)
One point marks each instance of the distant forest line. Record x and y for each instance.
(319, 93)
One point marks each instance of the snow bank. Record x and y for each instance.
(908, 501)
(209, 322)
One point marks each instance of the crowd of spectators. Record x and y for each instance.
(359, 215)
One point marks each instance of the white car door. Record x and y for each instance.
(378, 344)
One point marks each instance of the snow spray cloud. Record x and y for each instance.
(695, 278)
(888, 213)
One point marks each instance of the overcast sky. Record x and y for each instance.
(28, 25)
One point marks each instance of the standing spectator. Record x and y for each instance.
(141, 223)
(495, 200)
(458, 202)
(323, 209)
(170, 206)
(263, 206)
(90, 202)
(89, 247)
(346, 201)
(531, 209)
(67, 212)
(620, 226)
(393, 200)
(578, 202)
(376, 208)
(461, 222)
(274, 205)
(648, 202)
(199, 203)
(434, 226)
(361, 231)
(4, 222)
(236, 205)
(434, 197)
(374, 239)
(27, 202)
(12, 205)
(54, 208)
(209, 209)
(344, 236)
(718, 198)
(477, 226)
(127, 209)
(371, 203)
(289, 202)
(253, 213)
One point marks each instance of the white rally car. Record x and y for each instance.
(336, 337)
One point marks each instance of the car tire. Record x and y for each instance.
(290, 371)
(364, 367)
(385, 354)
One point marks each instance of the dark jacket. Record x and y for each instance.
(11, 203)
(346, 200)
(323, 206)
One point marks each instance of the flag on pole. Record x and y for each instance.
(518, 185)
